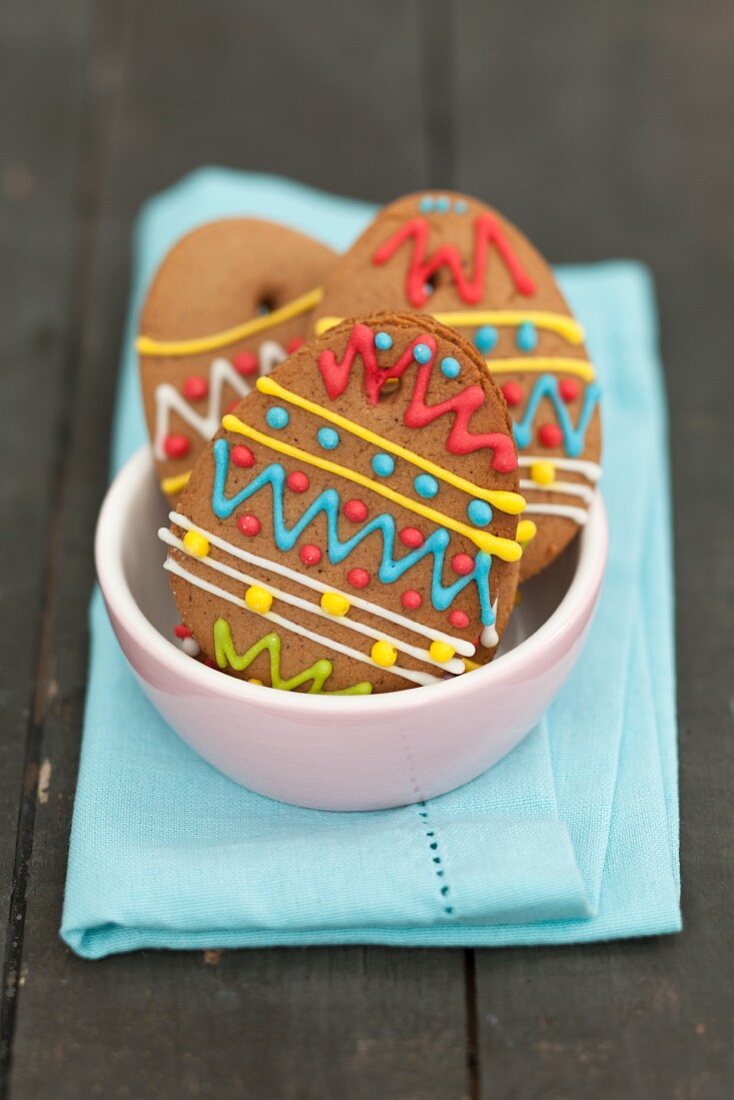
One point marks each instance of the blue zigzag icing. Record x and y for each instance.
(329, 502)
(573, 438)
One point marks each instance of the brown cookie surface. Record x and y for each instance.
(352, 528)
(230, 300)
(464, 263)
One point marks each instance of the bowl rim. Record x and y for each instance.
(116, 507)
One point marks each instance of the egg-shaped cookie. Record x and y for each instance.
(230, 300)
(461, 261)
(353, 528)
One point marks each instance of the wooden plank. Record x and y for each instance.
(600, 130)
(38, 194)
(311, 1023)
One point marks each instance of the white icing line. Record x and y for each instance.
(591, 470)
(489, 636)
(454, 665)
(168, 399)
(459, 644)
(329, 643)
(568, 488)
(579, 515)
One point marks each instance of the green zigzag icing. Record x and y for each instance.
(318, 673)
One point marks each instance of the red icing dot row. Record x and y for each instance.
(176, 446)
(297, 482)
(512, 393)
(182, 631)
(459, 619)
(245, 362)
(249, 524)
(358, 578)
(550, 435)
(569, 389)
(411, 537)
(310, 554)
(242, 456)
(411, 600)
(195, 388)
(355, 511)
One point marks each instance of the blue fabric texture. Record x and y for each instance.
(571, 838)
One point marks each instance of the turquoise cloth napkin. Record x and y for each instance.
(573, 837)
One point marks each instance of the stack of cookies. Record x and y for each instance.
(364, 454)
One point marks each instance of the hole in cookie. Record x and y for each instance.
(265, 305)
(430, 285)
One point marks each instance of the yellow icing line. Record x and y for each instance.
(146, 345)
(565, 326)
(556, 364)
(174, 484)
(507, 549)
(512, 503)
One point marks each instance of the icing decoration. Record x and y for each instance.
(174, 485)
(443, 204)
(568, 389)
(359, 578)
(383, 341)
(512, 393)
(245, 362)
(145, 345)
(426, 204)
(355, 511)
(489, 637)
(191, 647)
(450, 367)
(328, 438)
(426, 486)
(462, 564)
(558, 363)
(196, 544)
(335, 604)
(459, 619)
(310, 554)
(248, 524)
(182, 631)
(383, 465)
(318, 673)
(383, 654)
(568, 511)
(221, 373)
(461, 406)
(526, 336)
(572, 438)
(526, 530)
(411, 537)
(258, 599)
(460, 206)
(588, 469)
(485, 339)
(487, 231)
(565, 488)
(243, 456)
(176, 446)
(315, 585)
(560, 323)
(277, 418)
(441, 652)
(479, 513)
(543, 473)
(411, 600)
(195, 388)
(422, 353)
(294, 344)
(503, 499)
(298, 482)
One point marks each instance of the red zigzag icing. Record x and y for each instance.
(460, 440)
(487, 231)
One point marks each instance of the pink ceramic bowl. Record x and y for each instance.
(340, 753)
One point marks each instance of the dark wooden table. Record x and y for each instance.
(604, 130)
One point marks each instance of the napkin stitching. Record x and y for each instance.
(430, 831)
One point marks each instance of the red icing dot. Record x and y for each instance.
(459, 619)
(355, 511)
(310, 554)
(512, 393)
(245, 362)
(297, 481)
(209, 663)
(233, 405)
(550, 435)
(176, 446)
(195, 387)
(182, 631)
(249, 524)
(358, 578)
(242, 456)
(412, 537)
(411, 599)
(294, 344)
(462, 564)
(569, 389)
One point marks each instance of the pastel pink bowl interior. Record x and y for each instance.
(340, 753)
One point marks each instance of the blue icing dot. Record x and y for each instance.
(479, 512)
(527, 336)
(383, 464)
(422, 353)
(460, 206)
(443, 204)
(428, 289)
(450, 367)
(426, 486)
(328, 438)
(277, 418)
(486, 338)
(426, 204)
(383, 341)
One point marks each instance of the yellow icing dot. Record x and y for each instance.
(384, 654)
(543, 473)
(441, 651)
(254, 680)
(335, 604)
(258, 599)
(526, 531)
(196, 544)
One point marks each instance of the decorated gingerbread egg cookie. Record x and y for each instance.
(354, 526)
(230, 300)
(452, 256)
